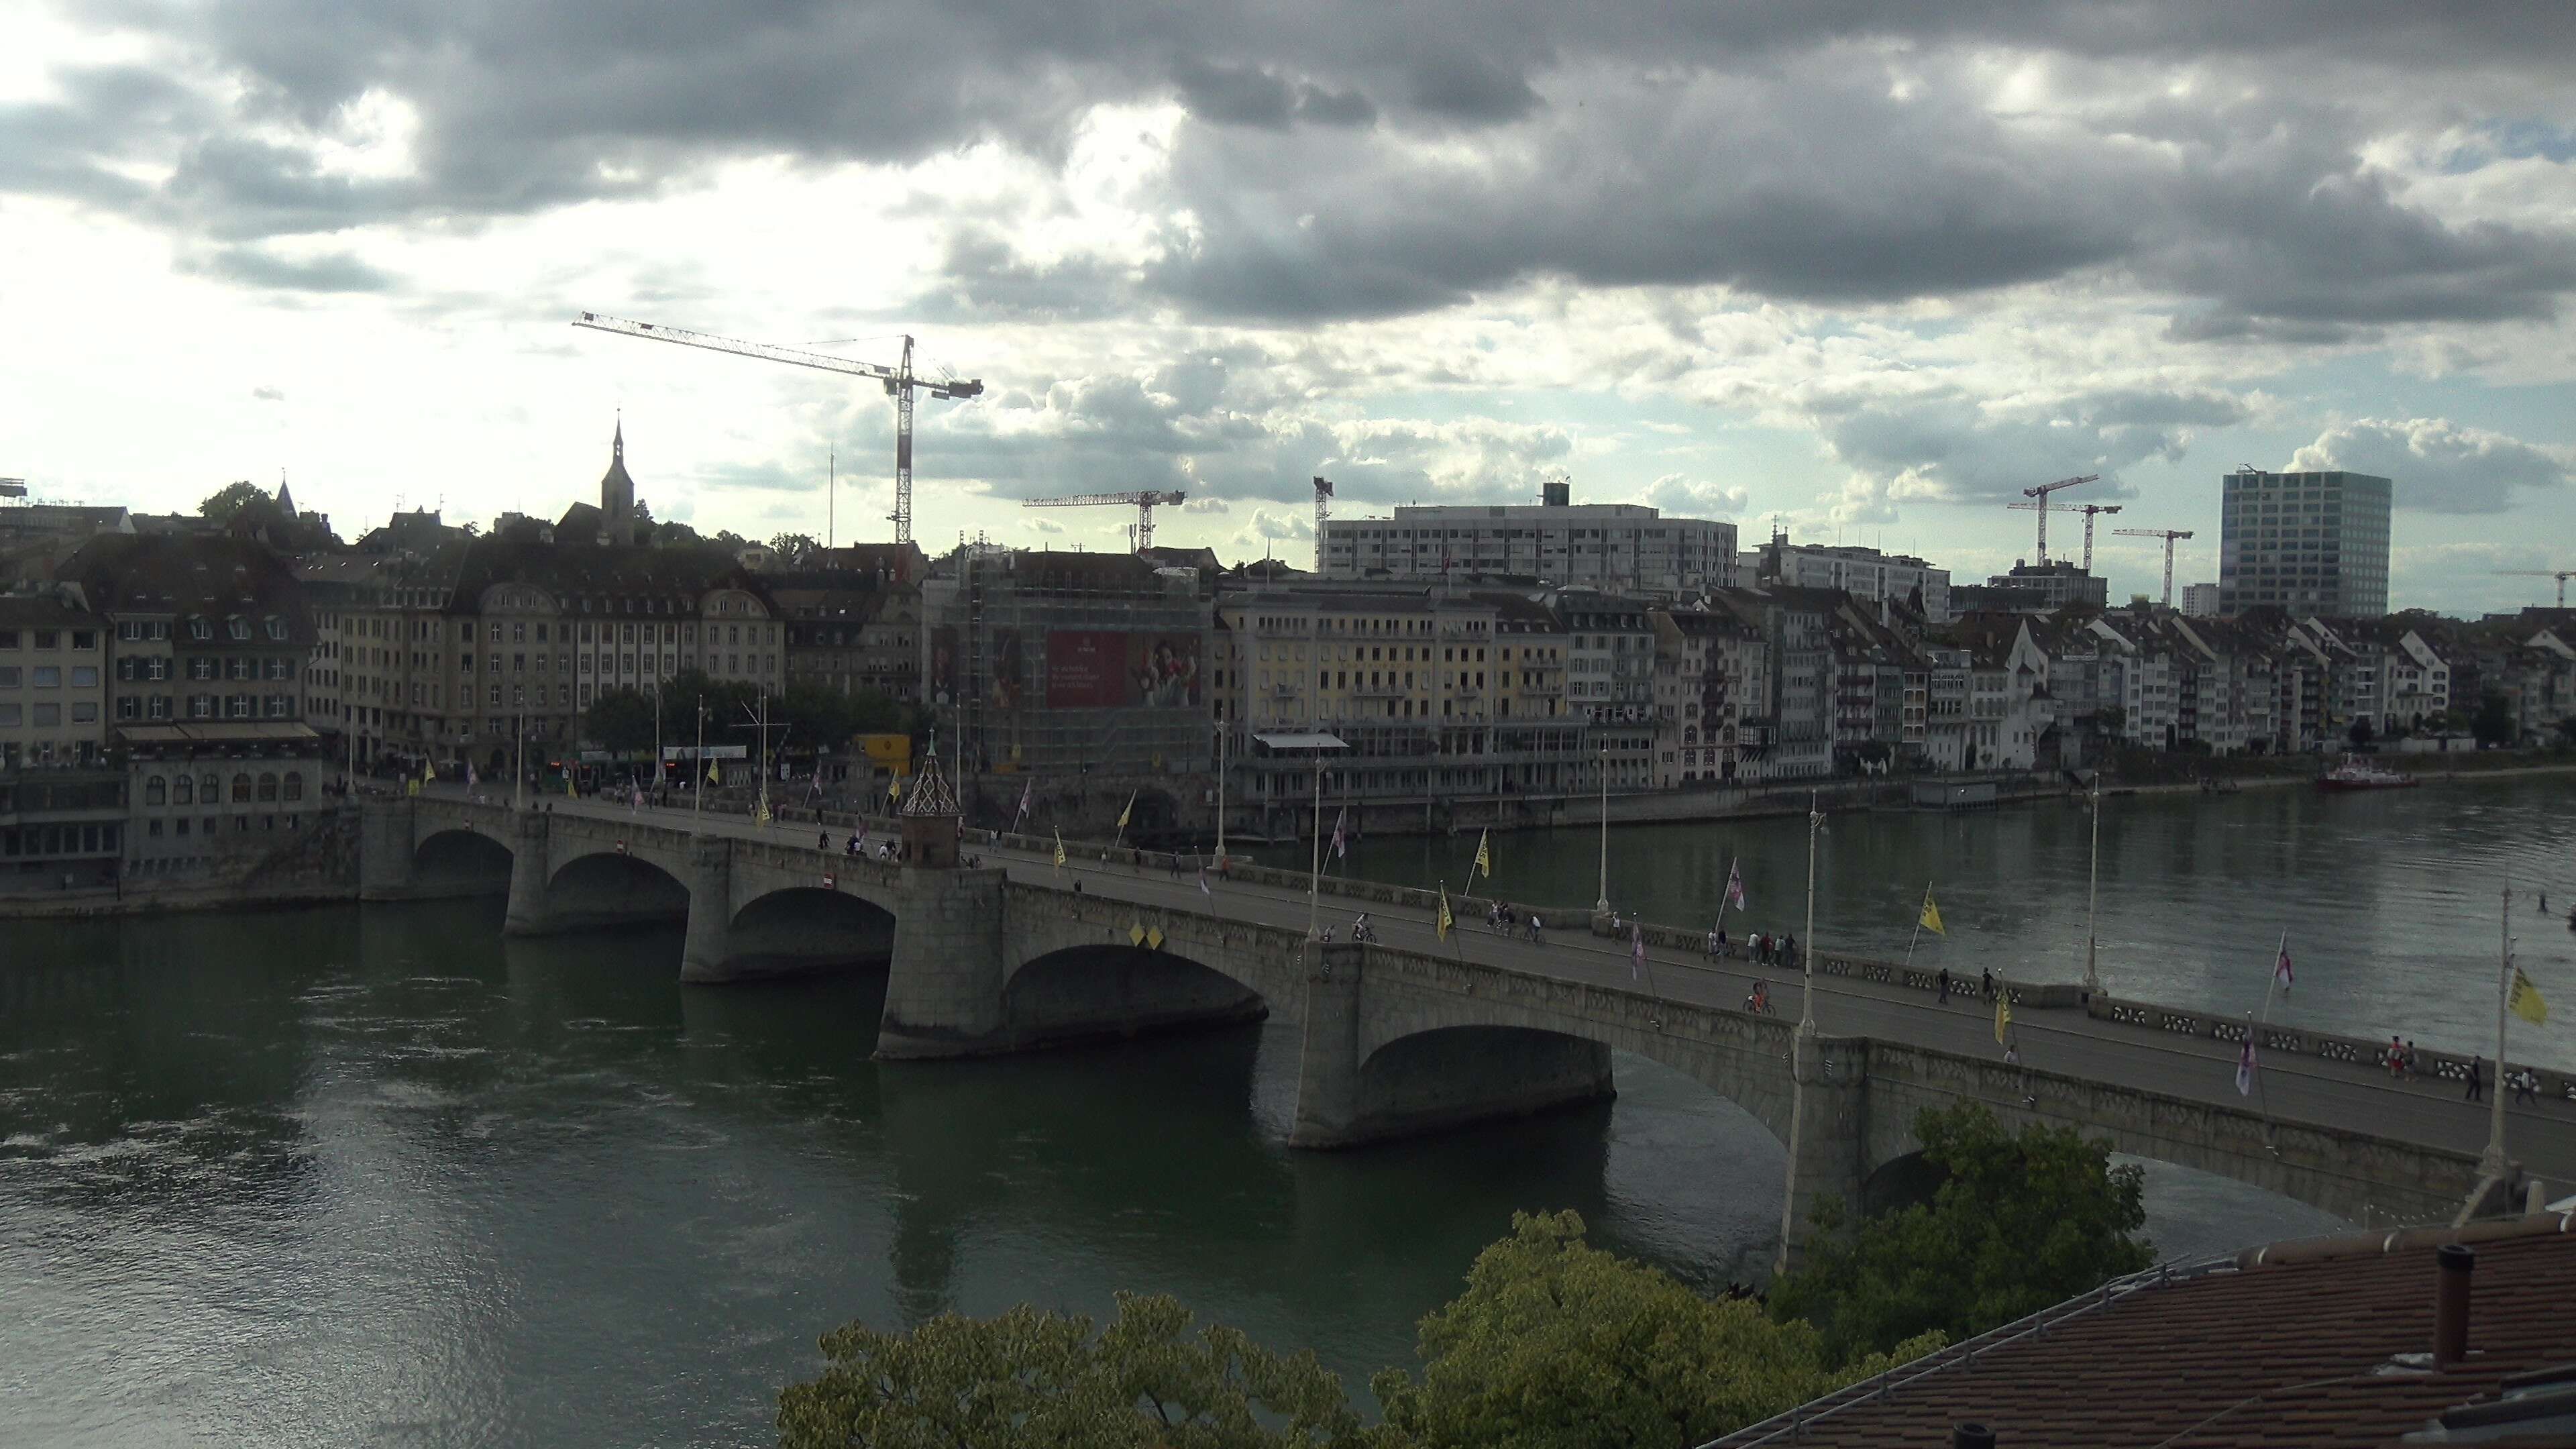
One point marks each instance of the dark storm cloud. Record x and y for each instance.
(1349, 160)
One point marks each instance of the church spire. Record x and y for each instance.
(617, 445)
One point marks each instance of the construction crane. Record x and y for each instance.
(1144, 503)
(2088, 510)
(2168, 535)
(2041, 493)
(2561, 575)
(900, 382)
(1323, 509)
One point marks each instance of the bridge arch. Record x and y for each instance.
(1107, 989)
(805, 928)
(606, 888)
(459, 861)
(1446, 1076)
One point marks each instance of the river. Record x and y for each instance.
(379, 1176)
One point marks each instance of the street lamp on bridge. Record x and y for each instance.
(1317, 743)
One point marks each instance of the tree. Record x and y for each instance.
(620, 720)
(2567, 731)
(2111, 720)
(2493, 723)
(2018, 1223)
(230, 499)
(1559, 1345)
(2361, 733)
(1034, 1376)
(794, 549)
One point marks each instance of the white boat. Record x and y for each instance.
(2356, 773)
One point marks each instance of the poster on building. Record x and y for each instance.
(943, 665)
(1110, 669)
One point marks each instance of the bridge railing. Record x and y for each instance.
(2359, 1052)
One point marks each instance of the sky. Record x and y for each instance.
(1859, 272)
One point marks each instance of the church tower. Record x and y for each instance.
(617, 491)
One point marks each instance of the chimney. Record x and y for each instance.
(2452, 1266)
(1971, 1436)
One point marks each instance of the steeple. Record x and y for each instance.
(617, 490)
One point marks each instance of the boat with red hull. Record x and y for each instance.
(2356, 773)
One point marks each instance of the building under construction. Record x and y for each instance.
(1068, 664)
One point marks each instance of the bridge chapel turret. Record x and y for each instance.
(929, 817)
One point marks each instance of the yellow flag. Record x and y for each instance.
(2525, 1002)
(411, 787)
(569, 788)
(2003, 1017)
(1484, 860)
(1059, 849)
(763, 815)
(894, 790)
(715, 774)
(428, 771)
(1446, 920)
(1931, 917)
(1131, 807)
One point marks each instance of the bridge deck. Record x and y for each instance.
(2339, 1096)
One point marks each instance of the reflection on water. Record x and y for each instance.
(338, 1175)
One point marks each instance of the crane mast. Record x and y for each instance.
(2168, 535)
(2561, 575)
(900, 384)
(2041, 493)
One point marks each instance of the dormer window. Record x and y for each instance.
(237, 627)
(201, 629)
(276, 628)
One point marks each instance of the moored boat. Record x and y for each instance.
(2356, 773)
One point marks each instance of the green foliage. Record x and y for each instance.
(2361, 732)
(1559, 1345)
(230, 499)
(794, 550)
(620, 720)
(2021, 1222)
(2567, 731)
(1032, 1377)
(2493, 723)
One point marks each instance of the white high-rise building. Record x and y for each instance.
(2200, 601)
(1614, 547)
(1863, 573)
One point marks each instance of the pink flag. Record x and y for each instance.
(1734, 886)
(1636, 950)
(2281, 966)
(2245, 1068)
(1337, 831)
(1031, 784)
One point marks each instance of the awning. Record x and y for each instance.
(1302, 740)
(216, 732)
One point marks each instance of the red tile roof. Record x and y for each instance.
(2298, 1349)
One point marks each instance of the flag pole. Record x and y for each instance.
(2491, 1163)
(2272, 982)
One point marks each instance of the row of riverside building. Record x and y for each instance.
(178, 695)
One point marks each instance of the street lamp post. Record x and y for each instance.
(1221, 732)
(1601, 907)
(2093, 896)
(698, 790)
(1807, 946)
(519, 762)
(2491, 1163)
(1315, 872)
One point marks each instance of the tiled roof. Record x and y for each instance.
(2302, 1349)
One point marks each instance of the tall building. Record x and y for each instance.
(1620, 547)
(2200, 601)
(2034, 588)
(2310, 543)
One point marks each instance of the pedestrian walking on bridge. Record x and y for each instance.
(1945, 986)
(2477, 1079)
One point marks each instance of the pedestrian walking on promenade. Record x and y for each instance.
(2477, 1079)
(2526, 1088)
(1986, 986)
(1945, 986)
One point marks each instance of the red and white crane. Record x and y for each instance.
(2561, 575)
(900, 382)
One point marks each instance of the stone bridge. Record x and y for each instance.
(995, 959)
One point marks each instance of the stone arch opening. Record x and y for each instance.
(809, 928)
(460, 862)
(1112, 990)
(610, 889)
(1449, 1076)
(2194, 1209)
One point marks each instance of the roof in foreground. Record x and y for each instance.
(2308, 1343)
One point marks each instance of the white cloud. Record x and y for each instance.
(2439, 466)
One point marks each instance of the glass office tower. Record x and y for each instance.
(2310, 543)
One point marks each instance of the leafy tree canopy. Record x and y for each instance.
(794, 549)
(1036, 1377)
(1559, 1345)
(2493, 723)
(620, 720)
(2020, 1222)
(230, 499)
(2361, 732)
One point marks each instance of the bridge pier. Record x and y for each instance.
(385, 849)
(1348, 1096)
(944, 985)
(710, 939)
(530, 873)
(1828, 1135)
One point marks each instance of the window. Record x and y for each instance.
(295, 786)
(158, 707)
(241, 789)
(86, 711)
(8, 676)
(237, 627)
(156, 791)
(12, 714)
(276, 628)
(84, 676)
(49, 676)
(267, 788)
(48, 714)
